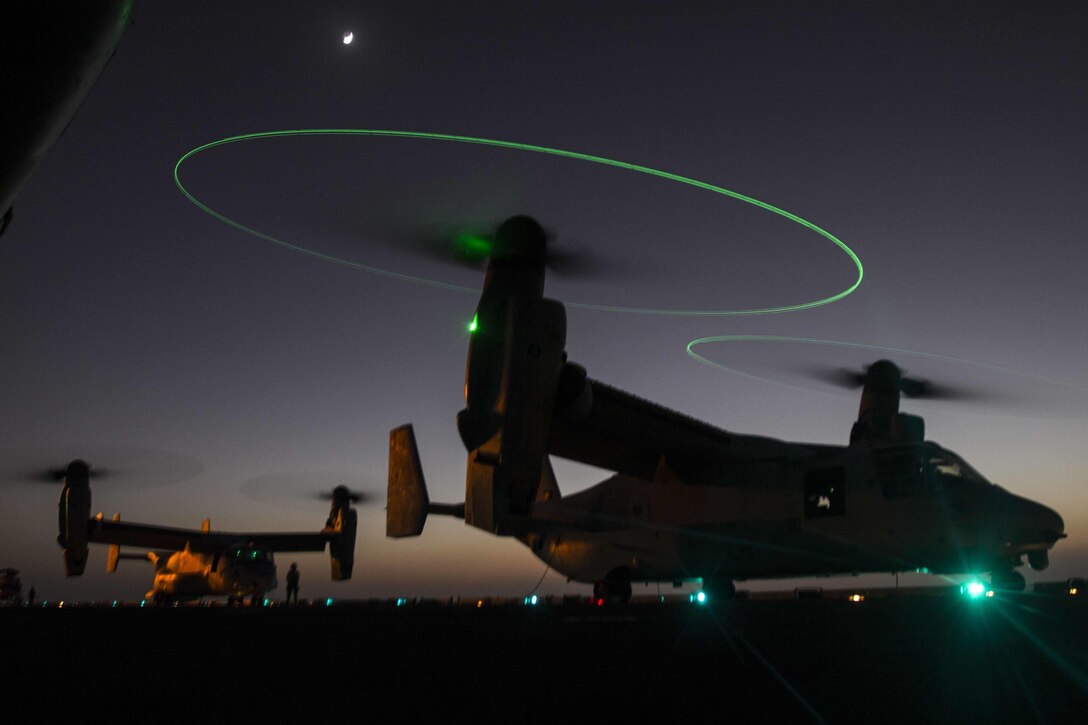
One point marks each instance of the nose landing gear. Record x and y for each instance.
(1007, 580)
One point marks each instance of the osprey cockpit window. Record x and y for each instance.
(946, 470)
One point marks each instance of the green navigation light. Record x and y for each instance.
(473, 325)
(533, 149)
(473, 246)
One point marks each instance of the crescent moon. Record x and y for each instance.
(348, 37)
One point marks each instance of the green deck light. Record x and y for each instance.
(976, 589)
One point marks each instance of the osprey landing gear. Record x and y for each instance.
(1007, 580)
(615, 588)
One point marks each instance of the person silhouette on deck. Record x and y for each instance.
(292, 583)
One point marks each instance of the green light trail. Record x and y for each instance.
(534, 149)
(858, 346)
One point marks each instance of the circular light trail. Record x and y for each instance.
(857, 346)
(534, 149)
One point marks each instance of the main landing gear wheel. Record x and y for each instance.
(612, 590)
(1009, 581)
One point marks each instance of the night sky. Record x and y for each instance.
(222, 375)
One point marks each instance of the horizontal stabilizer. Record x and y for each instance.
(456, 510)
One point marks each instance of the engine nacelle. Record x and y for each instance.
(74, 514)
(908, 428)
(511, 386)
(342, 544)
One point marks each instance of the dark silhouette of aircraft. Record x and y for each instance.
(52, 54)
(191, 564)
(690, 501)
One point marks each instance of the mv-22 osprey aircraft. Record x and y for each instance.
(201, 563)
(688, 500)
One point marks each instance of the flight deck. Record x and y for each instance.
(927, 655)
